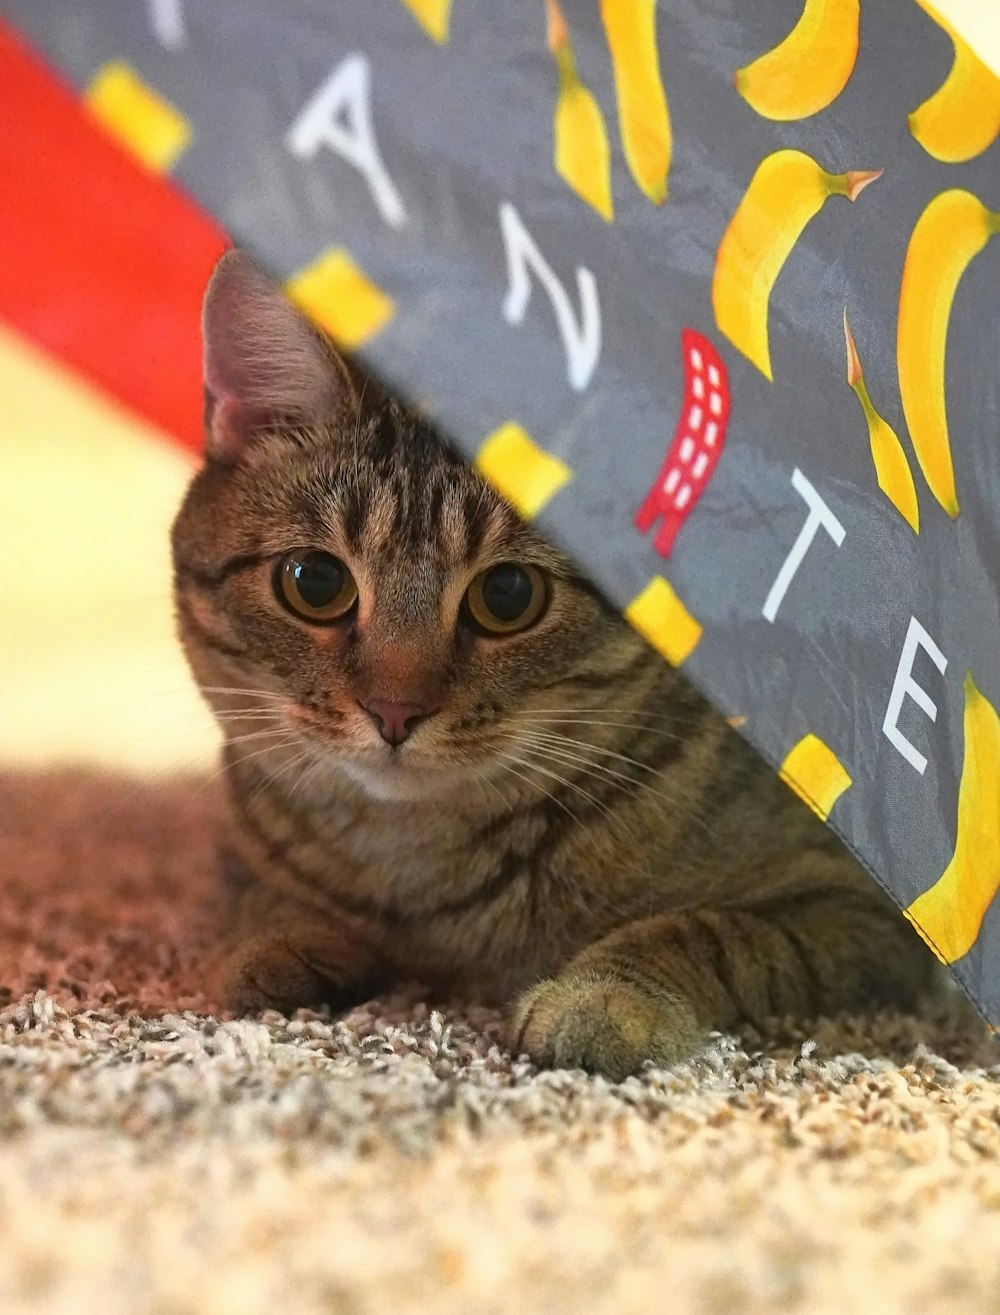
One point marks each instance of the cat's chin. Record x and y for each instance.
(392, 779)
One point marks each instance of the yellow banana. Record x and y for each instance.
(949, 915)
(582, 153)
(951, 231)
(643, 117)
(787, 190)
(810, 68)
(962, 118)
(433, 16)
(892, 469)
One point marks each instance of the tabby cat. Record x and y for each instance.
(451, 761)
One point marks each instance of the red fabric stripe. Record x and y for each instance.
(101, 262)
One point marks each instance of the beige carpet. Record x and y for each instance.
(157, 1159)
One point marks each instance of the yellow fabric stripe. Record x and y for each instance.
(520, 470)
(340, 297)
(816, 774)
(142, 120)
(659, 615)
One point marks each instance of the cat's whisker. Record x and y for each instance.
(612, 714)
(567, 784)
(246, 691)
(485, 779)
(278, 772)
(597, 772)
(673, 797)
(504, 801)
(571, 890)
(635, 727)
(271, 733)
(224, 764)
(609, 708)
(188, 765)
(556, 738)
(480, 780)
(292, 766)
(569, 756)
(584, 769)
(242, 715)
(534, 785)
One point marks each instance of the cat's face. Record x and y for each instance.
(378, 603)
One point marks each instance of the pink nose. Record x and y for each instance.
(395, 721)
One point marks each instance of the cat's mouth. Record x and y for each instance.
(409, 770)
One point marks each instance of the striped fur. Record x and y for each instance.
(574, 832)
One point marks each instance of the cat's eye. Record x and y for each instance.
(507, 598)
(315, 585)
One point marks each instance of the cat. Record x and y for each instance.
(450, 760)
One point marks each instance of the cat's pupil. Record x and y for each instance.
(507, 592)
(319, 578)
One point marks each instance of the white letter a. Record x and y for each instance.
(339, 116)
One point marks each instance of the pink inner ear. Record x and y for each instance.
(229, 425)
(262, 358)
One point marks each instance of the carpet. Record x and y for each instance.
(156, 1157)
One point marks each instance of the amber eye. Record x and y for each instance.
(507, 598)
(315, 585)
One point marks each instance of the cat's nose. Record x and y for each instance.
(395, 721)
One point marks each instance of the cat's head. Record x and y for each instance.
(357, 587)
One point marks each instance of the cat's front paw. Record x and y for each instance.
(602, 1024)
(283, 973)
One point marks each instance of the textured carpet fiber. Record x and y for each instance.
(157, 1158)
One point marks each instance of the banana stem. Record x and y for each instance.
(854, 182)
(557, 34)
(855, 374)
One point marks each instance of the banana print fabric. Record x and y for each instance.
(636, 258)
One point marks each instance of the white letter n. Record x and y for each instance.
(339, 116)
(581, 338)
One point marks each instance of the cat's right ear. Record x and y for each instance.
(264, 362)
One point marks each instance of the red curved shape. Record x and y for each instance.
(697, 443)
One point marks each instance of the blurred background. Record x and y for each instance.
(102, 267)
(88, 658)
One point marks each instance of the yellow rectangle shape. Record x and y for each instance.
(341, 299)
(518, 469)
(659, 615)
(146, 124)
(816, 774)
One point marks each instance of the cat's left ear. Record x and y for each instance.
(264, 362)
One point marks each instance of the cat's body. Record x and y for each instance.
(544, 813)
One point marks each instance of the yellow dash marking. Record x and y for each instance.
(816, 774)
(433, 17)
(146, 124)
(341, 299)
(949, 915)
(660, 616)
(518, 468)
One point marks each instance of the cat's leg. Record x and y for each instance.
(652, 989)
(281, 954)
